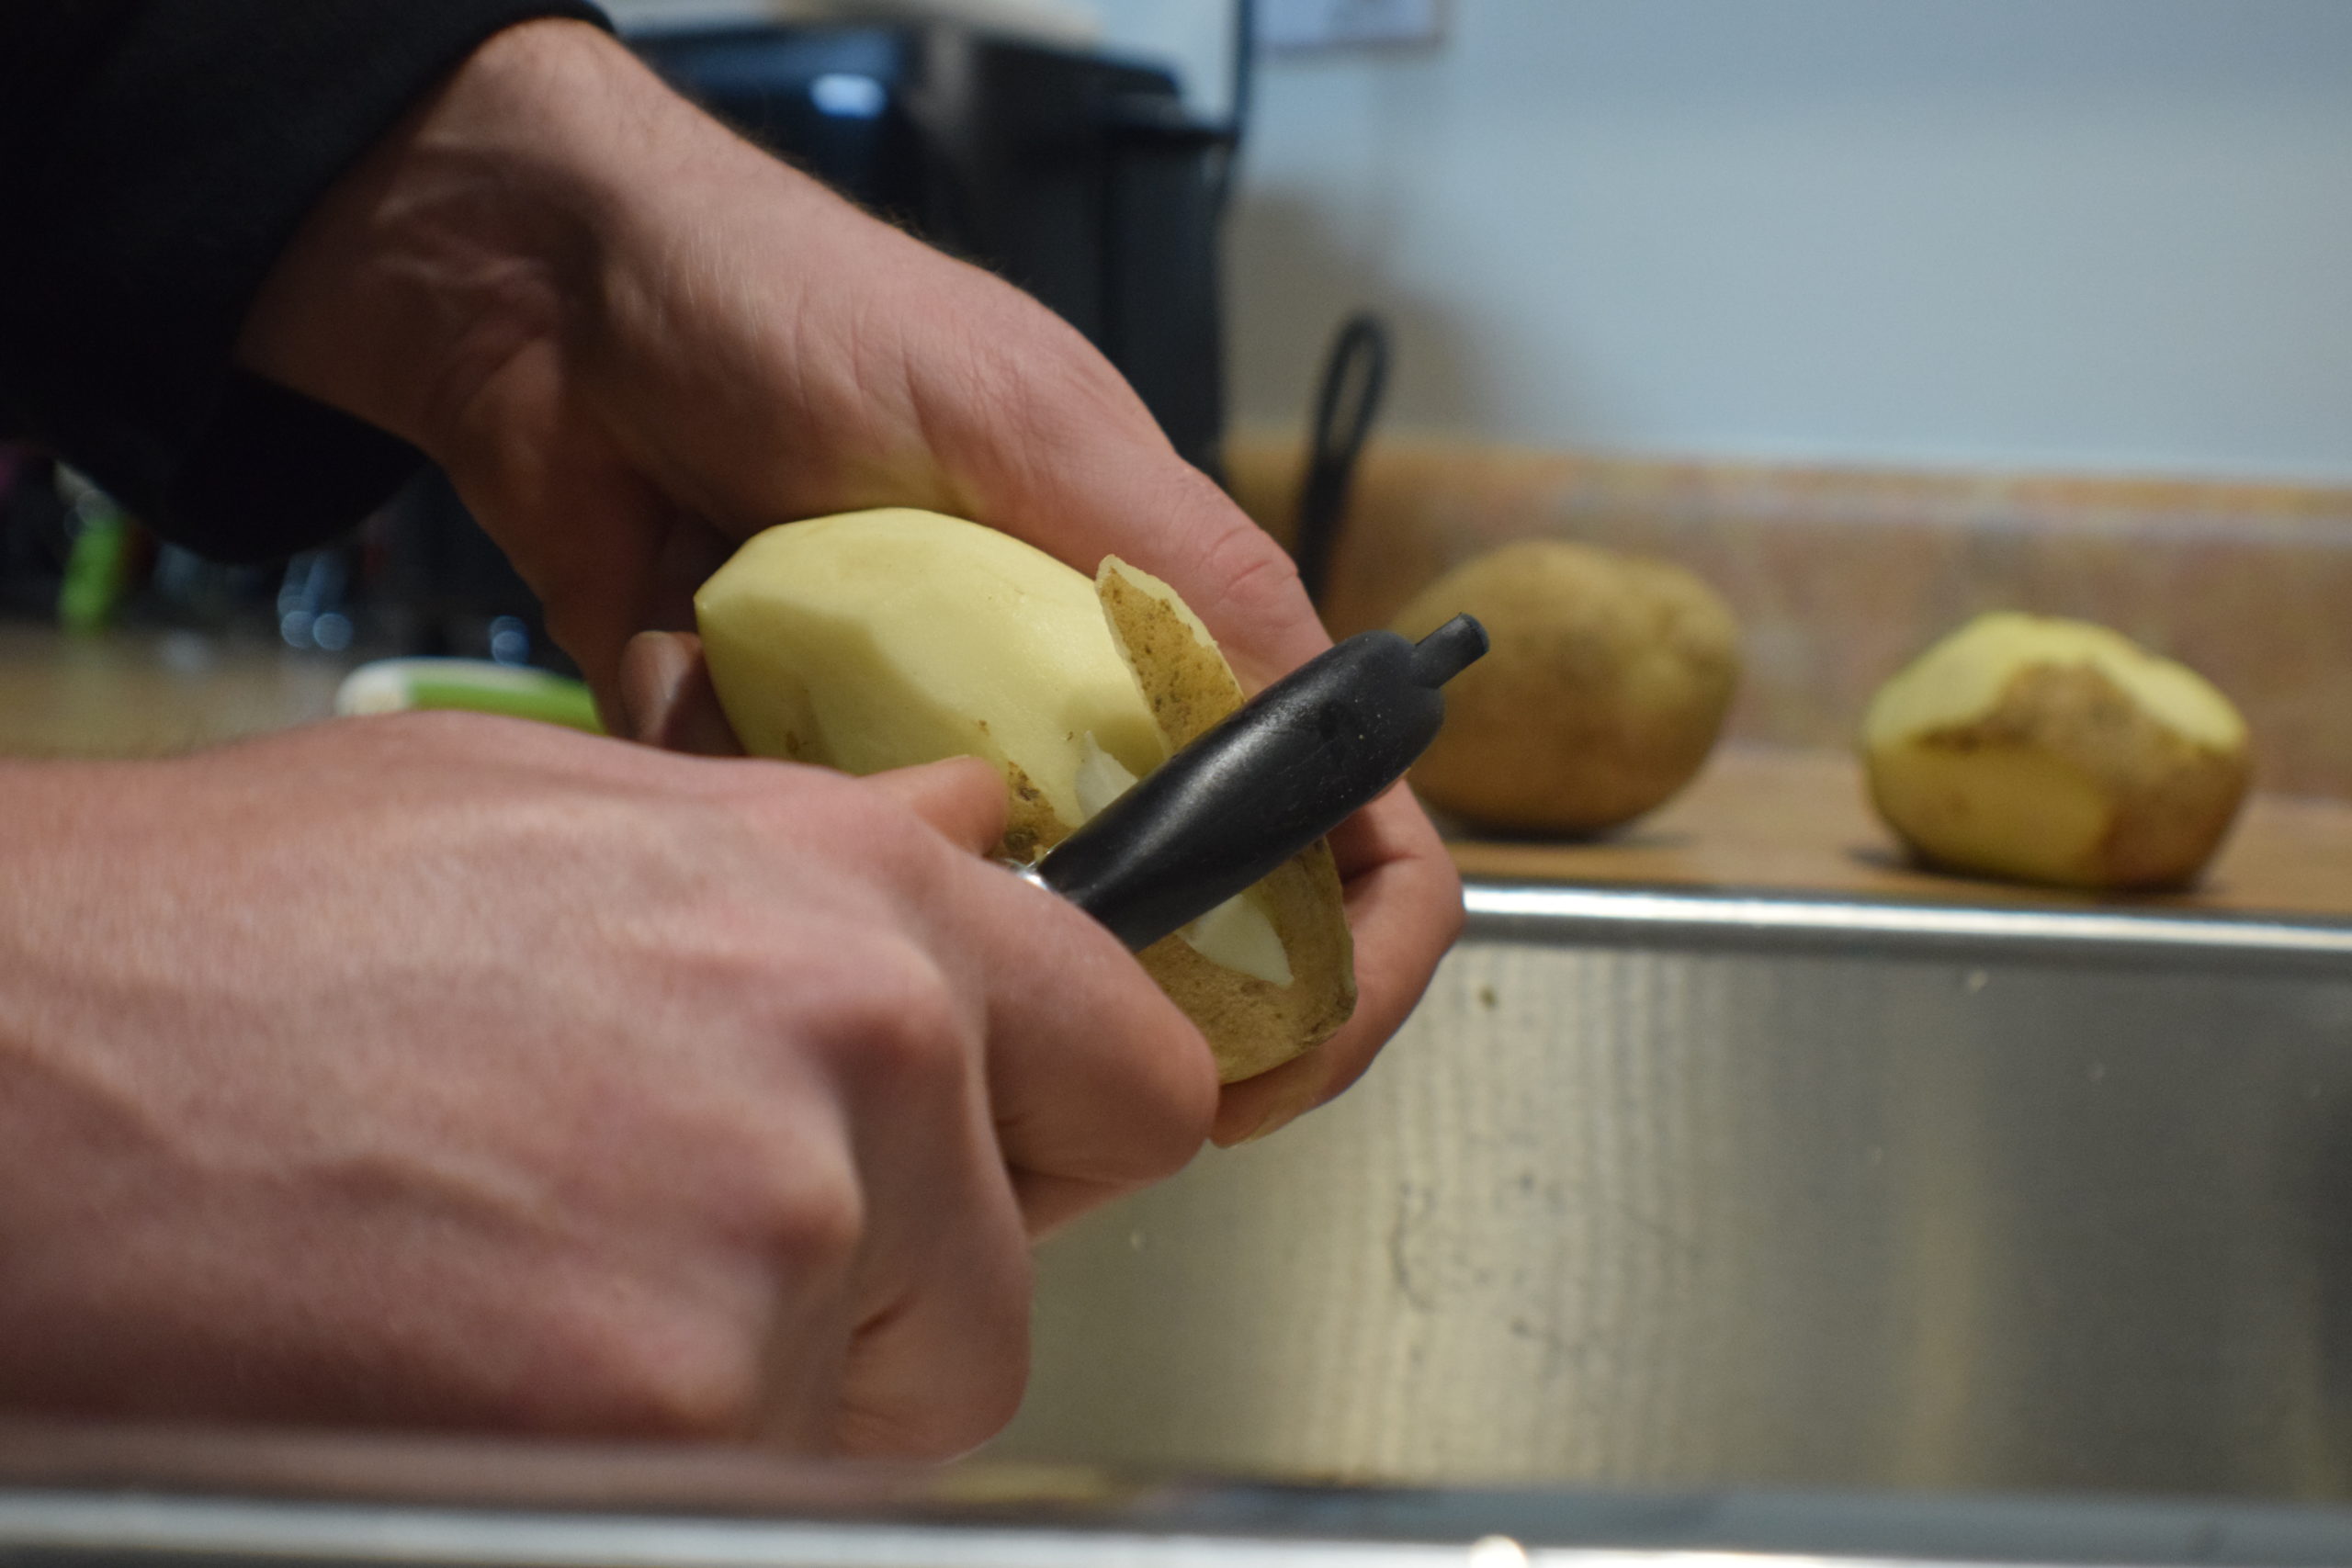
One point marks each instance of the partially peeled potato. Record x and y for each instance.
(883, 639)
(2056, 751)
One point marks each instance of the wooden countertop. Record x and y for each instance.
(145, 694)
(1798, 821)
(1757, 818)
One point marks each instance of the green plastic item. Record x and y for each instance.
(96, 569)
(398, 686)
(558, 702)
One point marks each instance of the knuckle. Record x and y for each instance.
(1254, 574)
(814, 1222)
(901, 1029)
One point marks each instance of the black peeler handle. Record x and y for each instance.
(1269, 781)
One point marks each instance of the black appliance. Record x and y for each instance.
(1081, 178)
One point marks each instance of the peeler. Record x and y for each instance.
(1276, 774)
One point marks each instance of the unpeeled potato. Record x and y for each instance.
(1604, 687)
(882, 640)
(2056, 751)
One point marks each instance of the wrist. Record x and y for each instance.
(467, 232)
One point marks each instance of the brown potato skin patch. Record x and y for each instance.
(2171, 799)
(1190, 687)
(1250, 1024)
(1031, 826)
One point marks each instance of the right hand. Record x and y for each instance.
(454, 1071)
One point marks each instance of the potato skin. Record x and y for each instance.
(2168, 800)
(1250, 1024)
(1606, 686)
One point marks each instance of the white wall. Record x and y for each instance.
(2104, 234)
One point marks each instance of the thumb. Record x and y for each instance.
(666, 698)
(963, 797)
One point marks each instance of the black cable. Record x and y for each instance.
(1356, 375)
(1241, 84)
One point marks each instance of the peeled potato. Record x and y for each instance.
(1605, 684)
(882, 640)
(2056, 751)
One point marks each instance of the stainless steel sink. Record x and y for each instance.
(1664, 1204)
(1666, 1190)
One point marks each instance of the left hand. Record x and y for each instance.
(633, 340)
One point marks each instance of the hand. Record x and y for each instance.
(634, 340)
(450, 1070)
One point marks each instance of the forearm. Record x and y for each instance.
(469, 229)
(501, 216)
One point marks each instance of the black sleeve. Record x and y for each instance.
(155, 155)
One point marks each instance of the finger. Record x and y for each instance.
(666, 697)
(938, 1353)
(813, 1313)
(917, 1347)
(937, 1364)
(962, 798)
(1123, 1098)
(1098, 1084)
(1242, 584)
(1404, 902)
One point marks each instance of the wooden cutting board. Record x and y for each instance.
(1798, 821)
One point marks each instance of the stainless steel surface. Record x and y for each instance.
(1633, 917)
(67, 1525)
(81, 1496)
(1669, 1189)
(80, 1529)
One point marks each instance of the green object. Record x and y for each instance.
(557, 701)
(398, 685)
(97, 569)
